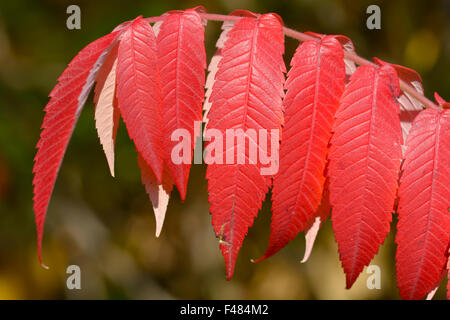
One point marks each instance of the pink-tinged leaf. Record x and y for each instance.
(364, 162)
(423, 230)
(313, 226)
(311, 233)
(107, 114)
(314, 86)
(247, 94)
(182, 63)
(159, 194)
(431, 294)
(350, 65)
(409, 106)
(139, 92)
(157, 27)
(66, 102)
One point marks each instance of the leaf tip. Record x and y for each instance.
(305, 258)
(230, 264)
(111, 167)
(258, 260)
(43, 265)
(182, 188)
(350, 281)
(159, 226)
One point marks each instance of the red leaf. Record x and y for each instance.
(182, 63)
(423, 230)
(364, 162)
(246, 95)
(139, 92)
(158, 193)
(314, 86)
(66, 102)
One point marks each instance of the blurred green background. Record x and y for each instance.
(106, 225)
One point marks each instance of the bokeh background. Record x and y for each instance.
(106, 225)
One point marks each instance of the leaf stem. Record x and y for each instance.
(304, 37)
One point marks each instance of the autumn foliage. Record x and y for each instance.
(352, 140)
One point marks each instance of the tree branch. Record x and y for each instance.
(304, 37)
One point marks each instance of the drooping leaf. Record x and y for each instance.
(246, 94)
(107, 114)
(364, 163)
(423, 230)
(139, 92)
(182, 63)
(66, 102)
(159, 194)
(314, 86)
